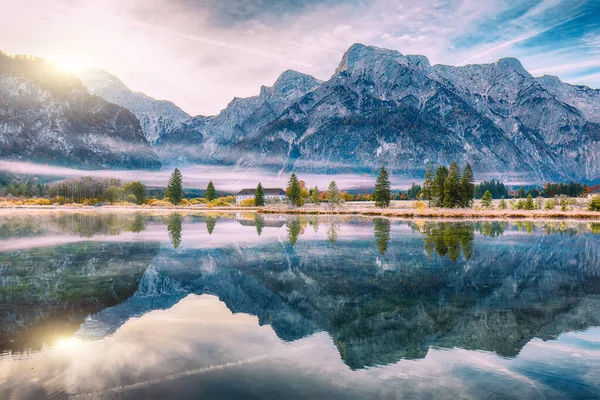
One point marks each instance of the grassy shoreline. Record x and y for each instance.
(429, 213)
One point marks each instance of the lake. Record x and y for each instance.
(238, 305)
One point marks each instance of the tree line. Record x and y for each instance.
(449, 187)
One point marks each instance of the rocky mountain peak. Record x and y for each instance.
(360, 57)
(510, 63)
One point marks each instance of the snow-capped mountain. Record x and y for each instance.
(156, 116)
(382, 107)
(47, 115)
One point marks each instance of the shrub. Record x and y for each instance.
(131, 198)
(550, 204)
(185, 202)
(218, 203)
(419, 205)
(594, 204)
(159, 203)
(248, 203)
(200, 200)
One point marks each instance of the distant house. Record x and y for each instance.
(271, 194)
(594, 191)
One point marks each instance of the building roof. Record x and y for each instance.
(267, 191)
(594, 190)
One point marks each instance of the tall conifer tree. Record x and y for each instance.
(259, 196)
(382, 193)
(437, 191)
(467, 187)
(211, 193)
(175, 188)
(452, 187)
(294, 191)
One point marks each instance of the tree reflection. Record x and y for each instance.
(260, 223)
(90, 225)
(382, 234)
(211, 221)
(294, 226)
(174, 227)
(491, 228)
(332, 231)
(448, 239)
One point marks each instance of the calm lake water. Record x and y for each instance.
(225, 306)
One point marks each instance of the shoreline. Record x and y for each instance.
(450, 214)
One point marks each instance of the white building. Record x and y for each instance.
(271, 195)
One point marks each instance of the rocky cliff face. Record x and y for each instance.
(382, 107)
(156, 117)
(47, 115)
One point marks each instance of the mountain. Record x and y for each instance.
(212, 139)
(382, 107)
(47, 115)
(156, 116)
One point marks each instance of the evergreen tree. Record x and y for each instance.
(467, 187)
(486, 199)
(259, 196)
(437, 191)
(428, 184)
(175, 189)
(382, 193)
(314, 196)
(529, 205)
(333, 195)
(452, 187)
(502, 205)
(211, 193)
(294, 191)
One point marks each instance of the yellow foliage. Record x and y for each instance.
(159, 203)
(219, 202)
(419, 205)
(248, 203)
(185, 202)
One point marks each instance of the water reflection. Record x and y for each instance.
(449, 239)
(211, 222)
(174, 227)
(361, 292)
(381, 227)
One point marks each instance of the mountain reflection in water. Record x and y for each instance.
(309, 295)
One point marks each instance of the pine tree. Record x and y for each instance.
(486, 199)
(294, 191)
(259, 196)
(437, 191)
(502, 205)
(382, 193)
(333, 194)
(175, 189)
(529, 205)
(452, 187)
(211, 193)
(428, 184)
(467, 187)
(314, 196)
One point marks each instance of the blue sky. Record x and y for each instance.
(202, 53)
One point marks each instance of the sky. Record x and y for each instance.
(200, 54)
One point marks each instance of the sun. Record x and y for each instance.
(69, 64)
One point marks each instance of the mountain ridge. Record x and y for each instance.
(382, 107)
